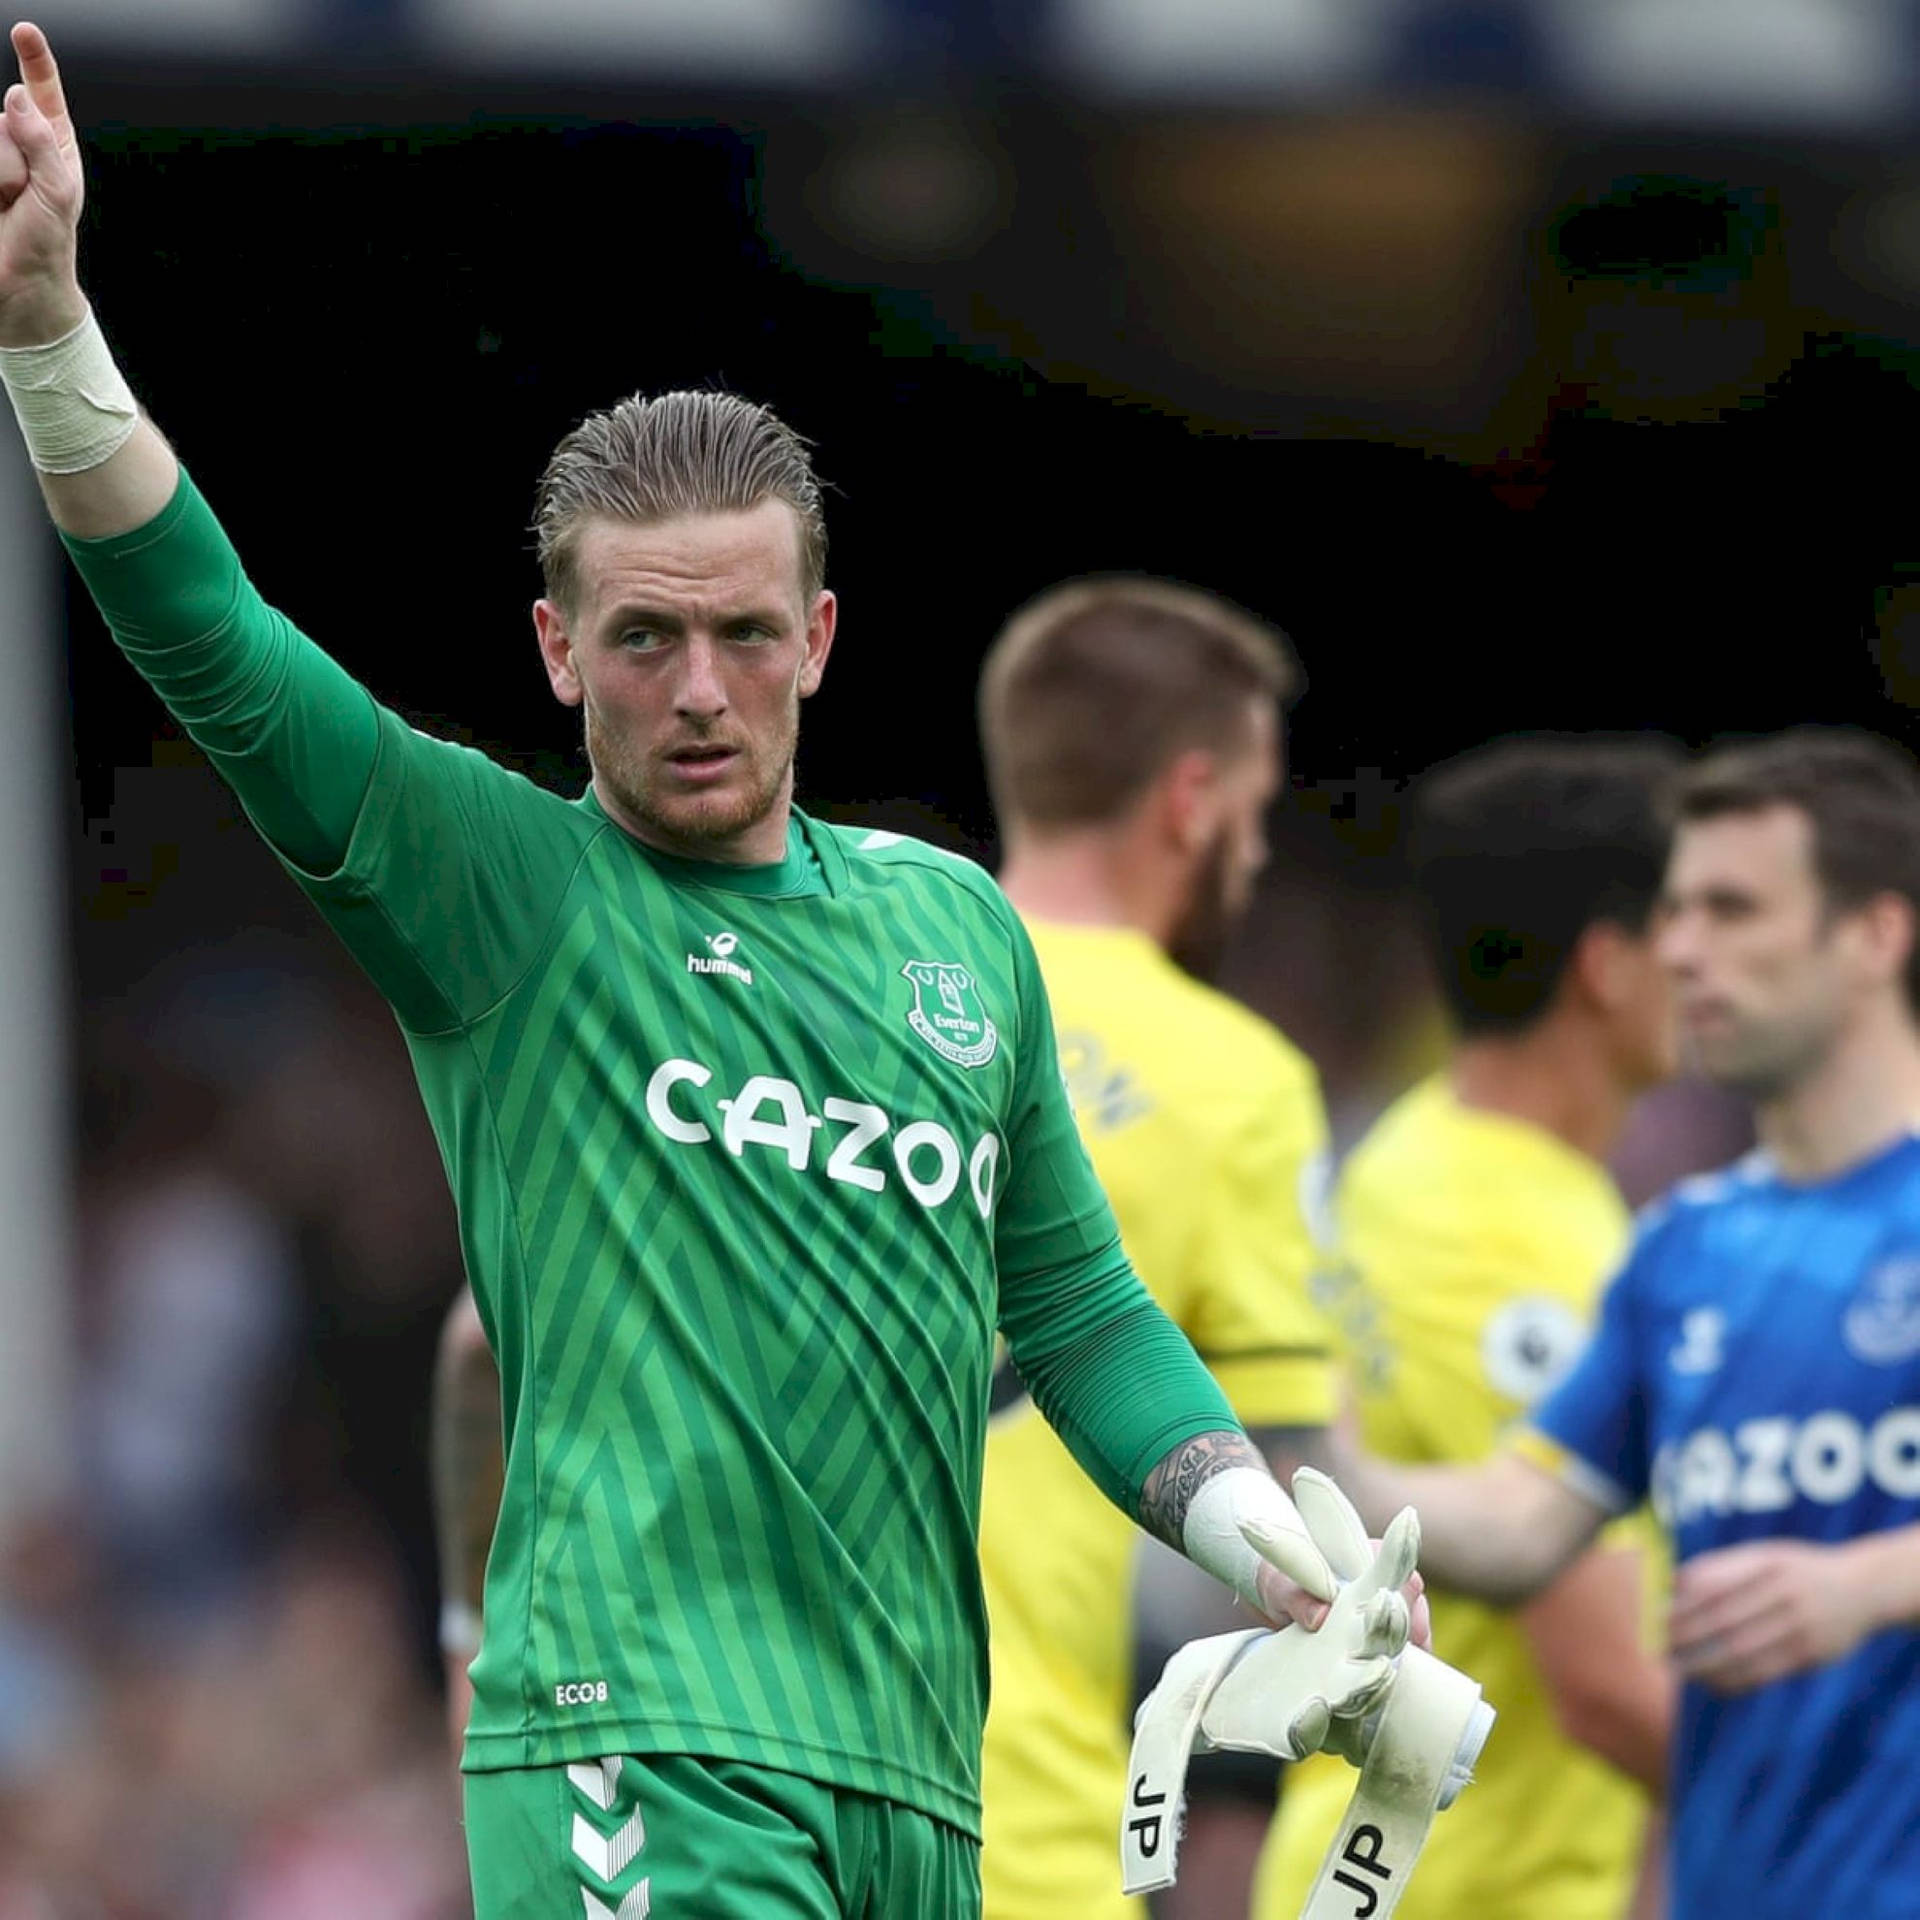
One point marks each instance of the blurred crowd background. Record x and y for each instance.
(1532, 363)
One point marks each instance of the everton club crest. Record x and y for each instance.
(1882, 1325)
(947, 1013)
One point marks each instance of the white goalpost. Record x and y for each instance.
(35, 1411)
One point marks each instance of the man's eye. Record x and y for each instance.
(643, 639)
(752, 630)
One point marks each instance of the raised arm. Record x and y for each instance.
(103, 466)
(293, 733)
(434, 865)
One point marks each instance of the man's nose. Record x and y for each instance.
(700, 691)
(1678, 944)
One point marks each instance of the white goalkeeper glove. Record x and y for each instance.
(1352, 1686)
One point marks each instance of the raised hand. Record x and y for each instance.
(41, 190)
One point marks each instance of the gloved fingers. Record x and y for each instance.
(1307, 1730)
(1292, 1550)
(1386, 1622)
(1358, 1687)
(1336, 1527)
(1393, 1564)
(1351, 1735)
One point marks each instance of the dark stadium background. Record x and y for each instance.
(1512, 417)
(366, 337)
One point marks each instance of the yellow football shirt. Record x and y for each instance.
(1472, 1249)
(1206, 1128)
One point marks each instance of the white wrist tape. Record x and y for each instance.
(74, 408)
(1235, 1509)
(459, 1629)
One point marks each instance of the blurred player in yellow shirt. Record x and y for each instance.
(1477, 1226)
(1132, 734)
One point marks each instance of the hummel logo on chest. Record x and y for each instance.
(1702, 1344)
(721, 959)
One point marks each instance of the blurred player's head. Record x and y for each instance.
(1144, 716)
(1792, 902)
(1539, 862)
(683, 547)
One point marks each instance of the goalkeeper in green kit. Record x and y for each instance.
(756, 1134)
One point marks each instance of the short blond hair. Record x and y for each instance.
(656, 458)
(1096, 685)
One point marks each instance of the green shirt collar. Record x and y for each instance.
(809, 866)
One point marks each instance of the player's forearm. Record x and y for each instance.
(1607, 1691)
(1123, 1387)
(1499, 1531)
(126, 492)
(468, 1464)
(1886, 1567)
(1628, 1723)
(1167, 1498)
(106, 496)
(1123, 1390)
(1213, 1498)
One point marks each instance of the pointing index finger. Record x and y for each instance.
(41, 72)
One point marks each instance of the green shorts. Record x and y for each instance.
(676, 1836)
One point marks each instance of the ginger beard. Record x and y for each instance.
(688, 644)
(1198, 941)
(1220, 884)
(652, 794)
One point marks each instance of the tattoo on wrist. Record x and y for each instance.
(1171, 1485)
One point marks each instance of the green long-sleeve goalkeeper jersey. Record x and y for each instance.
(749, 1166)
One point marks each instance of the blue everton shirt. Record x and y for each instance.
(1757, 1372)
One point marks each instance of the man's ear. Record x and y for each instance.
(1601, 965)
(556, 651)
(821, 625)
(1887, 933)
(1188, 792)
